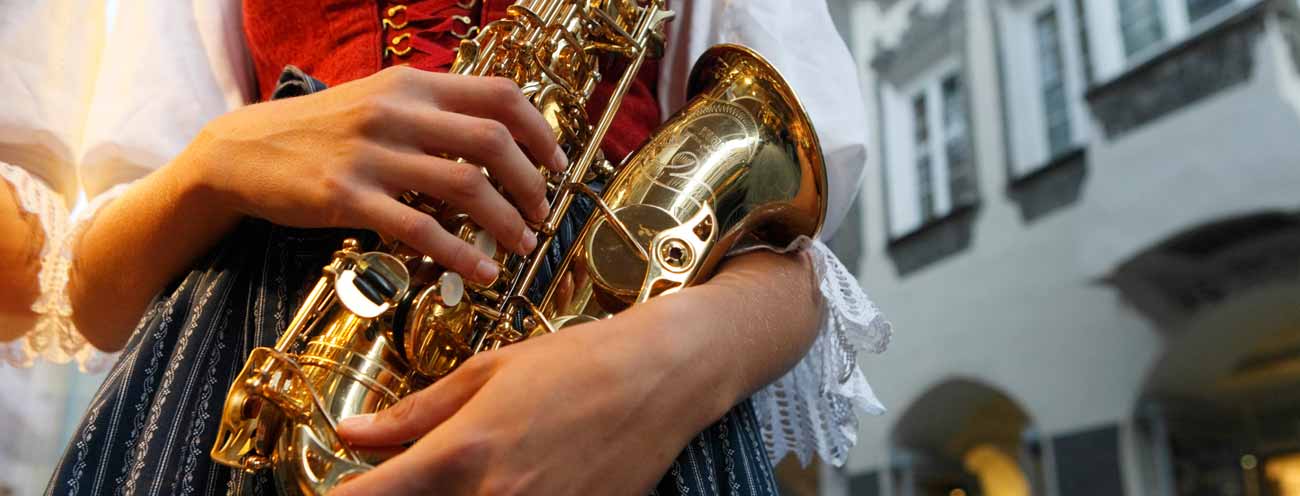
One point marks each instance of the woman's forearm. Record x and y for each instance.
(20, 244)
(529, 417)
(137, 244)
(744, 328)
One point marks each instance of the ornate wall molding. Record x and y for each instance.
(928, 39)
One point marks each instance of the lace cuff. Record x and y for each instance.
(53, 337)
(811, 410)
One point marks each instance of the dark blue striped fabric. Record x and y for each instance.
(150, 426)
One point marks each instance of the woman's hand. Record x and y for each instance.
(601, 408)
(339, 158)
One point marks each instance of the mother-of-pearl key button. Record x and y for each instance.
(451, 288)
(485, 243)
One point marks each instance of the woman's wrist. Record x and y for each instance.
(735, 333)
(196, 180)
(681, 338)
(172, 214)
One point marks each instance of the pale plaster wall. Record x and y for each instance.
(1023, 309)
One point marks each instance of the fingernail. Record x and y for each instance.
(486, 272)
(542, 210)
(560, 161)
(355, 421)
(528, 241)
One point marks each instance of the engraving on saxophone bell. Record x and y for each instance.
(713, 138)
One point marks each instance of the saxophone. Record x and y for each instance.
(738, 167)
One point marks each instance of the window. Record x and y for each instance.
(956, 146)
(1117, 35)
(941, 106)
(928, 145)
(1197, 9)
(1085, 47)
(1047, 68)
(1141, 24)
(1051, 70)
(921, 142)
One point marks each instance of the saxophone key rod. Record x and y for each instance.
(571, 181)
(654, 17)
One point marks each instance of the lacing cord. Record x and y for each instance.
(434, 23)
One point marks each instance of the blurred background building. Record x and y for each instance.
(1083, 219)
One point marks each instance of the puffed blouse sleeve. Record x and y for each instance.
(812, 409)
(112, 108)
(48, 52)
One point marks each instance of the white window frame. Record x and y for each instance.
(1167, 13)
(1107, 41)
(1063, 78)
(902, 181)
(1030, 147)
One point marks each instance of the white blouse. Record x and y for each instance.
(48, 56)
(169, 66)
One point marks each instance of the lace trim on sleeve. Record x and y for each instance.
(53, 337)
(811, 410)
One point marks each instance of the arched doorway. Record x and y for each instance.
(1219, 413)
(962, 438)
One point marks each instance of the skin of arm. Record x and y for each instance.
(138, 243)
(600, 408)
(21, 239)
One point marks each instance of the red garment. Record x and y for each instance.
(340, 40)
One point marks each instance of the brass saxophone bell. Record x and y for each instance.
(738, 167)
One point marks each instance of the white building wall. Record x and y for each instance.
(1023, 309)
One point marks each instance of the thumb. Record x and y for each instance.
(393, 477)
(413, 416)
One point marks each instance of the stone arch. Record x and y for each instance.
(963, 436)
(1216, 411)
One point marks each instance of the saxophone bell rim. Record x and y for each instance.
(703, 77)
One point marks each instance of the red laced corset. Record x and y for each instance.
(427, 27)
(340, 40)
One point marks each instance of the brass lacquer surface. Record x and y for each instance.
(738, 167)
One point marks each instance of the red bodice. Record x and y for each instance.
(340, 40)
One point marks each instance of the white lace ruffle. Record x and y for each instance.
(53, 337)
(812, 409)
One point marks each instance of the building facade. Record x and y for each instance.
(1083, 219)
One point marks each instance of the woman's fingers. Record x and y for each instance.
(464, 186)
(480, 141)
(483, 120)
(447, 455)
(393, 477)
(390, 217)
(415, 415)
(501, 100)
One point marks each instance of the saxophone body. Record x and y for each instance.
(739, 167)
